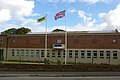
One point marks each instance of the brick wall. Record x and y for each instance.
(75, 41)
(4, 41)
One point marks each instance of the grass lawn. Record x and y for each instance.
(8, 62)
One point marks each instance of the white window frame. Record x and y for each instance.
(82, 52)
(115, 57)
(101, 54)
(88, 52)
(76, 53)
(70, 53)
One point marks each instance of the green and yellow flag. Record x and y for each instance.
(41, 19)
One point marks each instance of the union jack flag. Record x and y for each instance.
(59, 15)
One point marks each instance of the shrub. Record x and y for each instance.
(47, 61)
(59, 62)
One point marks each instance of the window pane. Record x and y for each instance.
(32, 53)
(107, 54)
(53, 54)
(76, 53)
(13, 52)
(64, 53)
(59, 55)
(114, 54)
(70, 53)
(94, 54)
(42, 53)
(22, 52)
(37, 53)
(48, 53)
(27, 52)
(101, 54)
(88, 54)
(82, 54)
(17, 52)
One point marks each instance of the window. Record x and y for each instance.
(37, 53)
(42, 53)
(13, 52)
(1, 40)
(32, 53)
(48, 53)
(59, 54)
(22, 52)
(17, 53)
(76, 53)
(102, 54)
(107, 54)
(94, 54)
(70, 53)
(114, 54)
(53, 54)
(82, 54)
(88, 54)
(64, 53)
(27, 52)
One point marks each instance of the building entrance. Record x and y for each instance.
(1, 55)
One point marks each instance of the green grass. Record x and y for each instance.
(6, 62)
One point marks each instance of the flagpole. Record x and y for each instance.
(46, 40)
(57, 16)
(65, 41)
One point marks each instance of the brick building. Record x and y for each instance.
(83, 47)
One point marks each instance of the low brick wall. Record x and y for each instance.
(36, 67)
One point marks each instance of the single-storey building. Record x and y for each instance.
(101, 47)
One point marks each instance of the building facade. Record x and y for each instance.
(82, 47)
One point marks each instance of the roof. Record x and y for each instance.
(102, 32)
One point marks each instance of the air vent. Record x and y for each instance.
(59, 41)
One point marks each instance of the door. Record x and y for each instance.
(1, 55)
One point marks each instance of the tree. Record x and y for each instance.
(58, 30)
(12, 31)
(23, 30)
(9, 31)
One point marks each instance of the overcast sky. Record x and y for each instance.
(81, 15)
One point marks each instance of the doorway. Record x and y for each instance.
(1, 55)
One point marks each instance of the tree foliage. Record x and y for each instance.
(23, 30)
(19, 31)
(58, 30)
(9, 31)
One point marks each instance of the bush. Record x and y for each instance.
(47, 61)
(59, 62)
